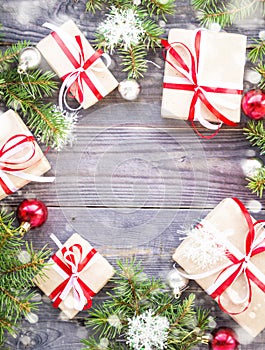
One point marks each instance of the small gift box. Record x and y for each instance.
(21, 159)
(79, 66)
(75, 274)
(203, 77)
(225, 255)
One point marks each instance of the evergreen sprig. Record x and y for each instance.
(257, 183)
(226, 13)
(16, 275)
(25, 92)
(146, 15)
(257, 56)
(133, 61)
(134, 294)
(255, 133)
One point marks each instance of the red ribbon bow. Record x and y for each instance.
(72, 264)
(239, 266)
(190, 71)
(9, 163)
(78, 75)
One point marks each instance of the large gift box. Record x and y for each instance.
(21, 159)
(203, 77)
(225, 255)
(75, 61)
(75, 274)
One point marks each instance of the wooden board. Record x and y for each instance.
(132, 182)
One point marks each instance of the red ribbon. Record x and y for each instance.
(242, 264)
(72, 264)
(81, 65)
(10, 148)
(191, 73)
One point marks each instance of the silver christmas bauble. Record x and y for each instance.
(29, 58)
(177, 282)
(129, 89)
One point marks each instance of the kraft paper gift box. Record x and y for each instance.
(220, 61)
(93, 273)
(229, 221)
(62, 51)
(17, 145)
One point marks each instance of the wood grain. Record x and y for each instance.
(132, 183)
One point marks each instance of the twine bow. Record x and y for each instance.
(74, 80)
(17, 154)
(189, 82)
(70, 268)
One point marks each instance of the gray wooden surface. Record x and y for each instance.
(132, 182)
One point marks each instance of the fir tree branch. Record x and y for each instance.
(200, 4)
(255, 133)
(257, 53)
(16, 276)
(142, 295)
(257, 183)
(133, 61)
(26, 91)
(227, 14)
(131, 30)
(157, 8)
(10, 55)
(49, 125)
(23, 306)
(261, 70)
(153, 33)
(94, 5)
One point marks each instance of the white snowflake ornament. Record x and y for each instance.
(122, 28)
(206, 246)
(147, 332)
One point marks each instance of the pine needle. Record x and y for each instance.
(226, 14)
(257, 183)
(25, 93)
(135, 298)
(130, 30)
(16, 275)
(255, 133)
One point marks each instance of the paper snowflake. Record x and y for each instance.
(147, 332)
(206, 246)
(122, 28)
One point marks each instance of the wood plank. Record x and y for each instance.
(52, 330)
(139, 167)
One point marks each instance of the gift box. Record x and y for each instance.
(225, 255)
(75, 61)
(75, 274)
(203, 77)
(21, 159)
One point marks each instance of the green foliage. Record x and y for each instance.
(132, 295)
(257, 183)
(133, 61)
(15, 275)
(146, 14)
(257, 56)
(255, 133)
(25, 92)
(94, 5)
(226, 13)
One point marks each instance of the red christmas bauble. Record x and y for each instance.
(253, 104)
(32, 211)
(224, 339)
